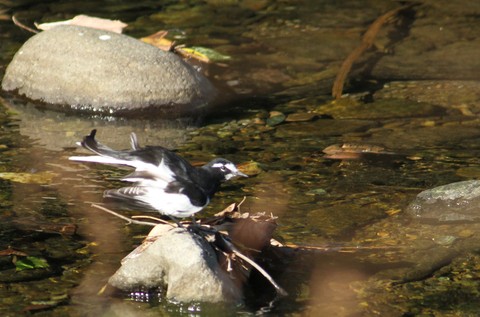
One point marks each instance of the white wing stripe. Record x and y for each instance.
(161, 171)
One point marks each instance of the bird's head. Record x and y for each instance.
(223, 168)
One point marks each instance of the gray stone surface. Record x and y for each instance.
(182, 262)
(452, 202)
(95, 70)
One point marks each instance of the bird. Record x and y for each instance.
(162, 180)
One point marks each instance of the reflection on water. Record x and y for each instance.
(56, 130)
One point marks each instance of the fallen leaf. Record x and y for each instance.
(230, 208)
(203, 54)
(115, 26)
(250, 168)
(353, 151)
(31, 262)
(10, 251)
(355, 148)
(158, 40)
(301, 117)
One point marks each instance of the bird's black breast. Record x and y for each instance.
(196, 195)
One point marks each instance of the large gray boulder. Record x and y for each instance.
(94, 70)
(182, 262)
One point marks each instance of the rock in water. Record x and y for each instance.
(182, 262)
(452, 202)
(99, 71)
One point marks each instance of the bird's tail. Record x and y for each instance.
(90, 143)
(134, 142)
(105, 154)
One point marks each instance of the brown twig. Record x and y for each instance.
(367, 42)
(345, 249)
(22, 26)
(129, 220)
(153, 218)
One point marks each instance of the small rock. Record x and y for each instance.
(469, 171)
(452, 202)
(301, 117)
(276, 117)
(316, 191)
(258, 121)
(183, 263)
(250, 168)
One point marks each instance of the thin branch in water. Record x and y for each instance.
(240, 203)
(154, 218)
(367, 42)
(345, 249)
(129, 220)
(22, 26)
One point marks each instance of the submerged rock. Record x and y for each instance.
(462, 95)
(181, 261)
(452, 202)
(93, 70)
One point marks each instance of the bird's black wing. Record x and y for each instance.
(130, 196)
(194, 193)
(151, 162)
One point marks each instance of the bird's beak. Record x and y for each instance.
(238, 173)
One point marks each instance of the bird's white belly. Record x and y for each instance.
(170, 204)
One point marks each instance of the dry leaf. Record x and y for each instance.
(158, 40)
(250, 168)
(353, 151)
(202, 54)
(115, 26)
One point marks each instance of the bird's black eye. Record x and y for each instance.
(223, 168)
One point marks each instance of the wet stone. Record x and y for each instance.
(462, 95)
(470, 172)
(416, 134)
(319, 128)
(275, 118)
(183, 263)
(380, 109)
(250, 168)
(301, 116)
(316, 191)
(127, 76)
(448, 203)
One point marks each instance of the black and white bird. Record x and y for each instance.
(163, 181)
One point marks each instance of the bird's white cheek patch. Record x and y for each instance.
(231, 167)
